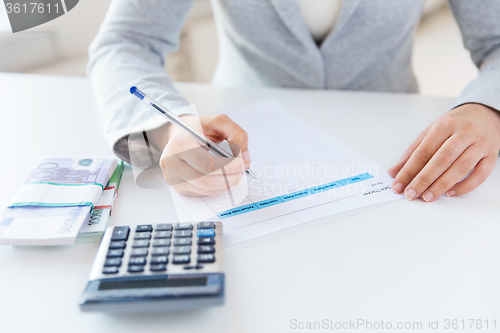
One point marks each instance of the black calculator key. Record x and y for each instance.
(206, 249)
(206, 233)
(206, 225)
(144, 227)
(110, 270)
(142, 235)
(159, 260)
(140, 243)
(183, 233)
(116, 253)
(206, 241)
(160, 251)
(158, 268)
(198, 266)
(163, 227)
(182, 250)
(181, 259)
(117, 245)
(120, 233)
(161, 242)
(184, 226)
(137, 261)
(162, 234)
(206, 258)
(139, 252)
(113, 262)
(182, 241)
(135, 269)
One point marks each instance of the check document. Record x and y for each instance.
(302, 174)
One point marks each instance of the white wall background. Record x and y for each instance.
(442, 65)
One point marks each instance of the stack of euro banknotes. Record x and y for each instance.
(65, 200)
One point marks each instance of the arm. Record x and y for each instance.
(129, 50)
(464, 142)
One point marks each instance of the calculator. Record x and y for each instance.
(158, 267)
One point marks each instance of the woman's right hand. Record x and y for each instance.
(193, 171)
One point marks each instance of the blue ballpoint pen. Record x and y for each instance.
(207, 143)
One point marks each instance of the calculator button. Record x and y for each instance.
(184, 226)
(183, 233)
(163, 227)
(206, 258)
(117, 253)
(113, 262)
(161, 242)
(110, 270)
(182, 241)
(158, 268)
(141, 243)
(159, 260)
(135, 269)
(142, 235)
(120, 233)
(206, 225)
(206, 241)
(206, 249)
(160, 250)
(182, 250)
(137, 261)
(117, 245)
(144, 227)
(162, 234)
(206, 233)
(181, 259)
(142, 251)
(193, 267)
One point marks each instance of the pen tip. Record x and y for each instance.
(251, 174)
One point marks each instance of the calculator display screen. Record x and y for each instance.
(154, 283)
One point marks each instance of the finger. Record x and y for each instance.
(419, 158)
(231, 165)
(220, 127)
(182, 152)
(220, 182)
(481, 172)
(184, 172)
(457, 171)
(204, 162)
(393, 171)
(188, 189)
(447, 154)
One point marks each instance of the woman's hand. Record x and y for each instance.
(191, 170)
(465, 139)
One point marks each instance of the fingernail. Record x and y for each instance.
(244, 167)
(428, 196)
(247, 166)
(451, 193)
(246, 156)
(397, 188)
(410, 194)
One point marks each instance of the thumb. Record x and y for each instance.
(220, 127)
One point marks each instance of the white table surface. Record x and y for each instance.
(397, 262)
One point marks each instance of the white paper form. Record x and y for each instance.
(302, 174)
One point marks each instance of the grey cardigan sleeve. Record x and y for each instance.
(129, 50)
(479, 22)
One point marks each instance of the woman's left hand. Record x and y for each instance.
(464, 139)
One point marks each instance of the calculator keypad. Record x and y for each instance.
(153, 248)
